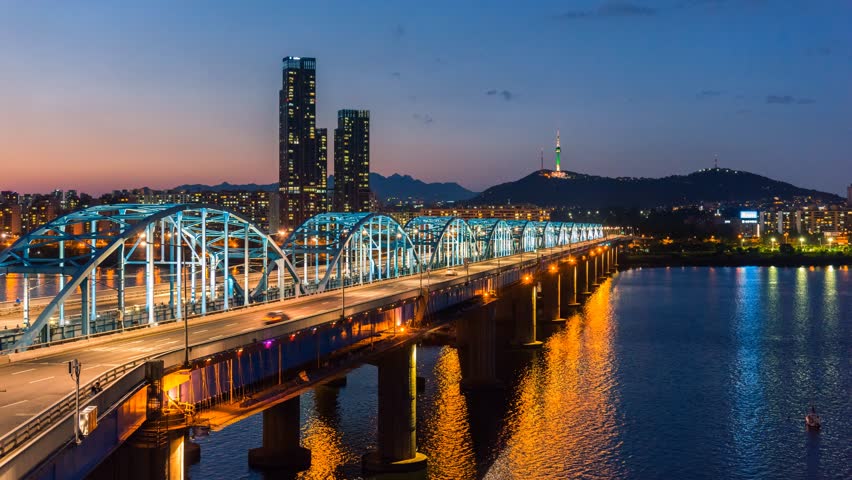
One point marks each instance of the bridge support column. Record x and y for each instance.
(481, 350)
(552, 296)
(615, 257)
(595, 278)
(571, 293)
(525, 312)
(397, 442)
(586, 291)
(281, 449)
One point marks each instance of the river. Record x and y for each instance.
(666, 373)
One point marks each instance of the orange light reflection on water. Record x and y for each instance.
(564, 419)
(447, 431)
(321, 434)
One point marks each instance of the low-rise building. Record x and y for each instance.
(502, 212)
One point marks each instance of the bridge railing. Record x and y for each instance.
(51, 415)
(6, 350)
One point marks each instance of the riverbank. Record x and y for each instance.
(714, 259)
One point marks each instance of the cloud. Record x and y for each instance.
(704, 94)
(398, 32)
(424, 118)
(788, 100)
(396, 75)
(610, 9)
(507, 95)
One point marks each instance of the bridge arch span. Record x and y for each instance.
(334, 249)
(167, 240)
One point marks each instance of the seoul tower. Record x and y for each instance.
(558, 152)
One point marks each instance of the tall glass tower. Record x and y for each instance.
(301, 167)
(352, 161)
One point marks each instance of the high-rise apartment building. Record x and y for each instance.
(352, 161)
(849, 196)
(322, 155)
(302, 174)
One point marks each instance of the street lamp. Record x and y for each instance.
(74, 372)
(801, 242)
(773, 243)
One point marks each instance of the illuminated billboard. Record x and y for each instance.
(748, 215)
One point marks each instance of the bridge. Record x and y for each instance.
(342, 279)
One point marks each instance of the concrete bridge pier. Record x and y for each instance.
(281, 449)
(586, 260)
(595, 277)
(569, 291)
(480, 350)
(615, 257)
(397, 436)
(525, 311)
(552, 286)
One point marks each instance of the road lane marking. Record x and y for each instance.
(93, 366)
(166, 343)
(24, 414)
(214, 337)
(16, 403)
(24, 371)
(230, 324)
(200, 331)
(137, 341)
(42, 379)
(247, 329)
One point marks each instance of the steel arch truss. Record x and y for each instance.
(523, 235)
(197, 250)
(493, 237)
(334, 249)
(442, 241)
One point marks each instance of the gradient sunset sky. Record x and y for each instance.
(104, 95)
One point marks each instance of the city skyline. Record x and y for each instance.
(92, 92)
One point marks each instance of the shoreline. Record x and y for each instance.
(727, 260)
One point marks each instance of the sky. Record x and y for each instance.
(99, 96)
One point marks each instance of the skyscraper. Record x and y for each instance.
(558, 153)
(352, 161)
(301, 169)
(322, 156)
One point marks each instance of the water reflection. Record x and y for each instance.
(322, 436)
(566, 398)
(446, 430)
(680, 373)
(746, 382)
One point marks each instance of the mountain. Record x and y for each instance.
(395, 186)
(404, 187)
(546, 188)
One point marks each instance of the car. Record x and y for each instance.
(275, 317)
(451, 273)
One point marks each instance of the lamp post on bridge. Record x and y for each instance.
(74, 372)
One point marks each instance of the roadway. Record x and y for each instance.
(37, 379)
(11, 314)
